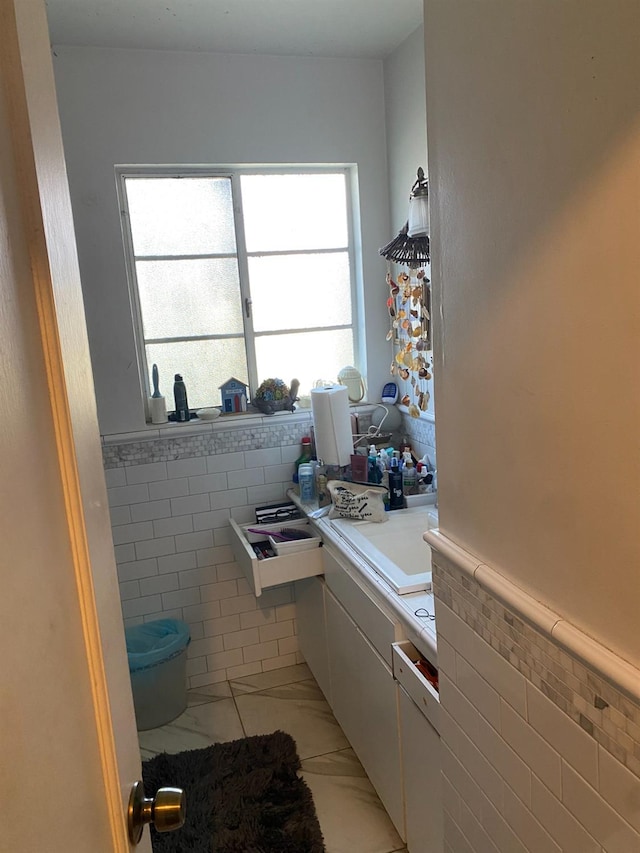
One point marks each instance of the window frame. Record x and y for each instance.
(234, 174)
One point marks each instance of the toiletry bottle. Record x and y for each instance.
(305, 456)
(180, 398)
(373, 472)
(396, 495)
(408, 475)
(306, 482)
(322, 493)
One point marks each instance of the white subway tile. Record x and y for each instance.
(201, 612)
(459, 707)
(128, 495)
(241, 604)
(209, 520)
(169, 489)
(221, 660)
(270, 493)
(180, 598)
(289, 645)
(119, 515)
(177, 562)
(193, 541)
(195, 629)
(239, 639)
(189, 505)
(196, 666)
(463, 782)
(526, 826)
(474, 832)
(513, 770)
(477, 691)
(450, 799)
(186, 467)
(244, 669)
(148, 472)
(206, 646)
(132, 532)
(531, 748)
(454, 834)
(149, 511)
(155, 547)
(446, 658)
(279, 663)
(207, 678)
(290, 453)
(243, 586)
(222, 625)
(225, 462)
(276, 631)
(228, 571)
(255, 618)
(260, 458)
(285, 612)
(141, 606)
(596, 815)
(500, 832)
(228, 498)
(174, 613)
(576, 747)
(134, 620)
(124, 553)
(219, 591)
(137, 569)
(214, 556)
(129, 589)
(160, 583)
(568, 833)
(173, 526)
(250, 477)
(260, 651)
(197, 577)
(243, 514)
(620, 788)
(275, 596)
(449, 730)
(279, 474)
(207, 483)
(115, 477)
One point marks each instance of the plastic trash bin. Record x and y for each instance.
(157, 653)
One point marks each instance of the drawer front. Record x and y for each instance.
(421, 691)
(374, 622)
(262, 574)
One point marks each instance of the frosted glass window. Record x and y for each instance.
(293, 292)
(205, 365)
(309, 356)
(181, 216)
(188, 298)
(288, 212)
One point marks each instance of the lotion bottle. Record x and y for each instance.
(396, 495)
(180, 398)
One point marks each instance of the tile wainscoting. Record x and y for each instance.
(172, 491)
(540, 752)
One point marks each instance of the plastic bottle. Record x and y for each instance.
(396, 495)
(180, 398)
(374, 475)
(306, 482)
(305, 456)
(408, 475)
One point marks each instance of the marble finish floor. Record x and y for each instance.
(352, 818)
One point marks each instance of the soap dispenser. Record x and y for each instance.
(396, 495)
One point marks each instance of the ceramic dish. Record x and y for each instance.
(209, 414)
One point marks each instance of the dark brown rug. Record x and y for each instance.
(242, 797)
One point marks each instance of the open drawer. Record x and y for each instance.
(272, 571)
(424, 694)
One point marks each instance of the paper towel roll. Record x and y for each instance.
(158, 410)
(332, 424)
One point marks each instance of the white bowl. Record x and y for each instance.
(209, 414)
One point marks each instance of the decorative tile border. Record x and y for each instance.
(604, 712)
(419, 430)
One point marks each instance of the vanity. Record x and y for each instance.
(363, 624)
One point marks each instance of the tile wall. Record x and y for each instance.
(171, 494)
(540, 754)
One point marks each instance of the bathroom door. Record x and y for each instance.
(68, 746)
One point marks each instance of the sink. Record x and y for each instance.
(395, 549)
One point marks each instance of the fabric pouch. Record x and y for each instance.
(360, 502)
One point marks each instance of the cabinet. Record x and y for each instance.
(312, 630)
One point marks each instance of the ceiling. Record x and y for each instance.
(340, 28)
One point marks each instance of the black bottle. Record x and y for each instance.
(396, 495)
(180, 397)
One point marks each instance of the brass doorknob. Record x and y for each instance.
(166, 811)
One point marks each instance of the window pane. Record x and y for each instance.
(181, 216)
(294, 212)
(299, 291)
(182, 298)
(204, 366)
(307, 357)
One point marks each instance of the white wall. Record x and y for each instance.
(534, 143)
(125, 106)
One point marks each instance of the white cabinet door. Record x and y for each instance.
(365, 705)
(421, 768)
(312, 630)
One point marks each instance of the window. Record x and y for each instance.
(240, 273)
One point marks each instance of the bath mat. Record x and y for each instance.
(242, 797)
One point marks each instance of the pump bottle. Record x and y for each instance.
(396, 495)
(180, 398)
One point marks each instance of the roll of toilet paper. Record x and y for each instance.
(158, 410)
(332, 424)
